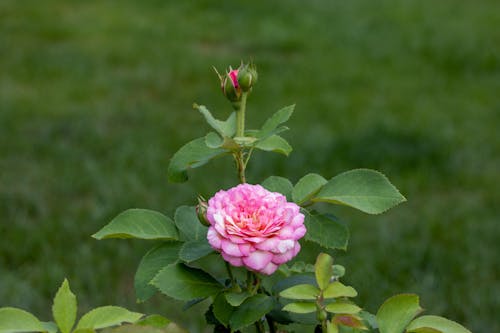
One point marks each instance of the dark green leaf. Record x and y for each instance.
(107, 316)
(397, 312)
(435, 323)
(307, 187)
(300, 307)
(152, 262)
(323, 270)
(189, 225)
(253, 309)
(64, 308)
(275, 120)
(16, 320)
(185, 283)
(274, 143)
(301, 291)
(326, 231)
(222, 309)
(367, 190)
(278, 184)
(139, 223)
(192, 155)
(235, 299)
(194, 250)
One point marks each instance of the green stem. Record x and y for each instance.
(230, 273)
(240, 116)
(260, 326)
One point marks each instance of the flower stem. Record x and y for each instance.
(230, 273)
(240, 116)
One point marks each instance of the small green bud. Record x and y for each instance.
(247, 76)
(201, 211)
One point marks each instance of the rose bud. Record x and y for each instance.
(229, 85)
(201, 211)
(247, 76)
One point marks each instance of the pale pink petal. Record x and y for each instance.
(257, 260)
(230, 248)
(297, 220)
(235, 261)
(236, 239)
(283, 257)
(286, 233)
(285, 245)
(246, 249)
(269, 244)
(213, 238)
(299, 232)
(269, 269)
(296, 249)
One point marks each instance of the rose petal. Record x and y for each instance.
(257, 260)
(213, 238)
(235, 261)
(231, 248)
(268, 244)
(269, 269)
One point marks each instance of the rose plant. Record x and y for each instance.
(239, 248)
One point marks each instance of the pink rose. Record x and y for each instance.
(255, 228)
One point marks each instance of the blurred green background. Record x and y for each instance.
(95, 97)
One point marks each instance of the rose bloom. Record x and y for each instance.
(255, 228)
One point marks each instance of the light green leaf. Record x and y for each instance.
(17, 320)
(300, 307)
(107, 316)
(436, 323)
(274, 121)
(337, 289)
(194, 250)
(367, 190)
(64, 308)
(192, 155)
(274, 143)
(222, 309)
(323, 270)
(251, 310)
(235, 299)
(342, 307)
(153, 261)
(307, 187)
(397, 312)
(301, 291)
(224, 128)
(189, 225)
(331, 327)
(154, 320)
(278, 184)
(213, 140)
(49, 326)
(84, 330)
(139, 223)
(326, 231)
(185, 283)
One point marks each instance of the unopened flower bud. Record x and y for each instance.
(201, 211)
(247, 76)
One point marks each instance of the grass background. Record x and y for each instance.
(95, 97)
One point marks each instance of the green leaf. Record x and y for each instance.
(300, 307)
(235, 299)
(274, 121)
(274, 143)
(107, 316)
(222, 309)
(367, 190)
(278, 184)
(64, 308)
(139, 223)
(307, 187)
(49, 326)
(154, 320)
(331, 327)
(436, 323)
(192, 155)
(194, 250)
(213, 140)
(326, 231)
(17, 320)
(397, 312)
(323, 270)
(189, 225)
(224, 128)
(337, 289)
(301, 291)
(349, 320)
(342, 307)
(152, 262)
(185, 283)
(250, 311)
